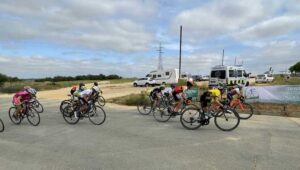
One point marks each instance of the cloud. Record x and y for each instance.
(219, 17)
(270, 28)
(93, 24)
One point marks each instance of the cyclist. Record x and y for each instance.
(234, 94)
(178, 97)
(81, 87)
(21, 97)
(96, 91)
(156, 93)
(216, 94)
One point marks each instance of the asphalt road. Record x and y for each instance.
(128, 140)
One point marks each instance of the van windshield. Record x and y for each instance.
(221, 74)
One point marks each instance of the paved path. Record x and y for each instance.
(128, 140)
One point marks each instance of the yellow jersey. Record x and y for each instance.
(215, 92)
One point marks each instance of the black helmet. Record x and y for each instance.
(81, 84)
(95, 83)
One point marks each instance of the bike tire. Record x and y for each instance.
(11, 112)
(97, 112)
(33, 114)
(38, 106)
(101, 101)
(162, 115)
(145, 108)
(68, 115)
(247, 113)
(64, 102)
(2, 127)
(190, 118)
(225, 114)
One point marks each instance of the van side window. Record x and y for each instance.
(159, 75)
(167, 73)
(154, 76)
(221, 74)
(239, 73)
(231, 73)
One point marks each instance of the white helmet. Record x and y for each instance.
(31, 91)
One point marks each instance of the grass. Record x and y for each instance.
(132, 99)
(280, 80)
(12, 87)
(125, 80)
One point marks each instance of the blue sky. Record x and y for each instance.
(71, 37)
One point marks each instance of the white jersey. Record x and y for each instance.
(86, 92)
(167, 90)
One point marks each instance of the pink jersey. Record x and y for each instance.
(23, 95)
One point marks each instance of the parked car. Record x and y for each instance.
(264, 78)
(147, 81)
(197, 77)
(205, 78)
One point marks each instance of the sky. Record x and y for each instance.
(41, 38)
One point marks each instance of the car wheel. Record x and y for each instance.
(135, 85)
(147, 84)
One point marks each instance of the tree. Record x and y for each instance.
(3, 79)
(295, 67)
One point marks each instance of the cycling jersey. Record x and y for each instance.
(86, 93)
(20, 97)
(215, 92)
(167, 90)
(154, 93)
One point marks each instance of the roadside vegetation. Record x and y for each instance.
(281, 80)
(14, 84)
(132, 99)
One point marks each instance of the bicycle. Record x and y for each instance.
(165, 113)
(73, 112)
(65, 103)
(2, 127)
(194, 118)
(244, 109)
(147, 106)
(28, 111)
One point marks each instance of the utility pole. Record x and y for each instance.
(223, 58)
(235, 61)
(180, 51)
(160, 62)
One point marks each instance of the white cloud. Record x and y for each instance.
(114, 25)
(219, 17)
(270, 28)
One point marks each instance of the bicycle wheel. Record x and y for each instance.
(162, 114)
(190, 118)
(38, 106)
(69, 115)
(145, 107)
(97, 116)
(1, 126)
(63, 104)
(101, 101)
(227, 119)
(246, 112)
(13, 116)
(33, 117)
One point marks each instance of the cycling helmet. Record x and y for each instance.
(162, 87)
(95, 83)
(173, 86)
(82, 86)
(190, 82)
(74, 88)
(31, 91)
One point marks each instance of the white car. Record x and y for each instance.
(264, 78)
(147, 81)
(205, 78)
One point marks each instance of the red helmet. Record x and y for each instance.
(74, 88)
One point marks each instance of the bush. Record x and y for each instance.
(132, 99)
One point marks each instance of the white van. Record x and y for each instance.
(229, 75)
(164, 76)
(264, 78)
